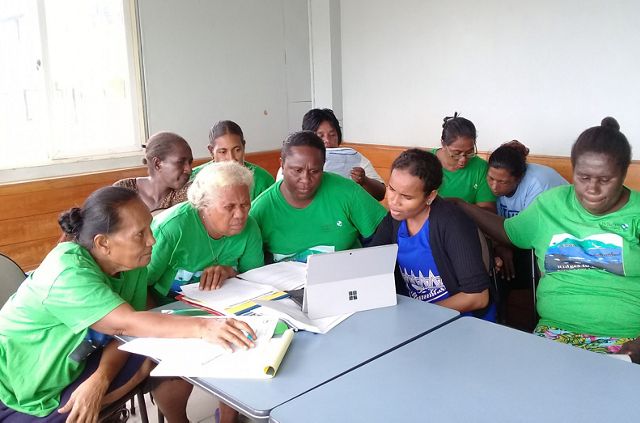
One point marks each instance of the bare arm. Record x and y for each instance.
(488, 205)
(124, 320)
(488, 222)
(373, 187)
(464, 302)
(87, 399)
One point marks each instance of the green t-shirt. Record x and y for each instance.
(184, 249)
(340, 211)
(468, 183)
(261, 178)
(590, 264)
(49, 316)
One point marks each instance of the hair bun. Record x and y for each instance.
(610, 122)
(517, 146)
(71, 221)
(448, 118)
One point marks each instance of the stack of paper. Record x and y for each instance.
(246, 293)
(290, 312)
(235, 296)
(198, 358)
(285, 275)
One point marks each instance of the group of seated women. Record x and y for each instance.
(236, 218)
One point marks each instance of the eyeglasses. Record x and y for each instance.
(459, 156)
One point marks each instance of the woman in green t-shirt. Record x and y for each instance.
(227, 143)
(208, 239)
(585, 237)
(57, 360)
(464, 173)
(311, 211)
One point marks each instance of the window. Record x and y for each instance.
(69, 81)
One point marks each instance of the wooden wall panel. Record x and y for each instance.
(29, 254)
(29, 210)
(381, 156)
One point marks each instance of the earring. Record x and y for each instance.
(428, 202)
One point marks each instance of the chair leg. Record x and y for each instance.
(144, 417)
(132, 407)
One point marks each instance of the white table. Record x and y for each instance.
(474, 371)
(315, 359)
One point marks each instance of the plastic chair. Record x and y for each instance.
(12, 277)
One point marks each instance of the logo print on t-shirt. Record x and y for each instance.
(601, 251)
(425, 288)
(339, 223)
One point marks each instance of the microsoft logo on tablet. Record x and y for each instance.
(353, 295)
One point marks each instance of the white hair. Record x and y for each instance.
(212, 178)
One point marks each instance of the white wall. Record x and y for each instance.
(243, 60)
(326, 57)
(538, 71)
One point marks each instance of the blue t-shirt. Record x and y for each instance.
(536, 180)
(417, 266)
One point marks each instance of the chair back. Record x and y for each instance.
(495, 296)
(11, 276)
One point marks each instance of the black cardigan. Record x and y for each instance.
(455, 245)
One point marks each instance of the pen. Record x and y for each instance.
(247, 334)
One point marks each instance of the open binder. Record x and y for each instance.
(198, 358)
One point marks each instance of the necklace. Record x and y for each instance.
(211, 241)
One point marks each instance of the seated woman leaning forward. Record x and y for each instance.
(209, 238)
(85, 289)
(311, 211)
(464, 173)
(344, 161)
(168, 158)
(227, 143)
(586, 240)
(515, 182)
(439, 252)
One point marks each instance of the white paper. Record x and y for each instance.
(233, 291)
(242, 364)
(285, 275)
(290, 312)
(190, 354)
(623, 357)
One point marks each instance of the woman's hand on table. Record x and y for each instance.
(214, 276)
(228, 333)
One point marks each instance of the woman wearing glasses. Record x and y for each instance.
(464, 172)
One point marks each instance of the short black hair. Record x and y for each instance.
(604, 139)
(454, 127)
(225, 127)
(98, 215)
(300, 139)
(314, 118)
(421, 164)
(511, 156)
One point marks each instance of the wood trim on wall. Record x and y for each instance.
(29, 210)
(381, 156)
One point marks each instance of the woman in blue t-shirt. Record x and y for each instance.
(439, 253)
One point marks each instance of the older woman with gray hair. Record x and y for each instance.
(209, 238)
